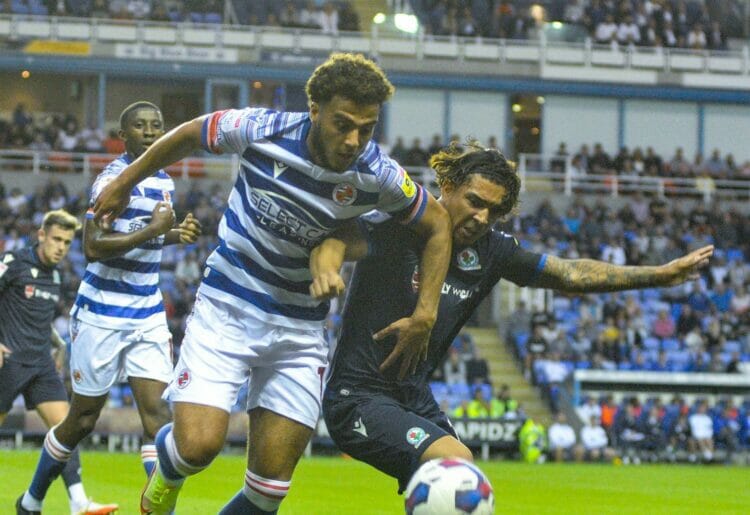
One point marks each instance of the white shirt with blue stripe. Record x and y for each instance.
(282, 205)
(123, 293)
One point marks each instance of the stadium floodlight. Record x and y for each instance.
(406, 23)
(379, 18)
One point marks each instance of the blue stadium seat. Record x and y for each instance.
(583, 365)
(735, 254)
(651, 343)
(732, 346)
(439, 390)
(676, 311)
(196, 17)
(212, 18)
(670, 344)
(460, 390)
(19, 7)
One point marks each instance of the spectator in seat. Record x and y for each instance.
(653, 441)
(678, 436)
(113, 144)
(606, 31)
(628, 432)
(702, 433)
(590, 408)
(477, 370)
(562, 440)
(478, 407)
(717, 40)
(664, 326)
(416, 155)
(454, 370)
(536, 348)
(696, 39)
(503, 405)
(328, 19)
(628, 32)
(726, 431)
(595, 442)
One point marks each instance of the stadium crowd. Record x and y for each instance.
(661, 23)
(328, 16)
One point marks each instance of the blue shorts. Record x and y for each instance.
(37, 382)
(383, 432)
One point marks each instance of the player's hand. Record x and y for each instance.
(327, 285)
(687, 267)
(413, 335)
(162, 218)
(112, 201)
(4, 353)
(190, 229)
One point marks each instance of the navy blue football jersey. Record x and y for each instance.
(385, 288)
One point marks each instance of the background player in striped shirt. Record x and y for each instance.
(29, 292)
(118, 324)
(393, 423)
(301, 176)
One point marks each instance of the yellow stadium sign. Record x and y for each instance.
(40, 46)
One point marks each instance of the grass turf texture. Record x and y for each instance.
(329, 486)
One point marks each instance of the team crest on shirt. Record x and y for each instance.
(8, 258)
(29, 291)
(468, 259)
(279, 168)
(183, 378)
(166, 195)
(77, 376)
(344, 194)
(56, 277)
(34, 272)
(415, 436)
(415, 279)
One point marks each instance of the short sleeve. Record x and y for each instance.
(231, 131)
(513, 263)
(400, 196)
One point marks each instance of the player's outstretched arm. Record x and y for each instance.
(177, 144)
(414, 332)
(100, 243)
(346, 244)
(187, 231)
(591, 276)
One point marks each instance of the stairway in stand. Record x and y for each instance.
(505, 370)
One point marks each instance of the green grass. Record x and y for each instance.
(329, 486)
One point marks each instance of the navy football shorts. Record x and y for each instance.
(38, 383)
(383, 432)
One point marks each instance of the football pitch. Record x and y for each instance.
(328, 486)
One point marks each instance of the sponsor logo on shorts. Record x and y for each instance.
(415, 279)
(183, 378)
(359, 427)
(29, 291)
(415, 436)
(77, 376)
(344, 194)
(468, 259)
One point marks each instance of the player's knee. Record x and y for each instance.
(463, 452)
(155, 420)
(198, 448)
(85, 423)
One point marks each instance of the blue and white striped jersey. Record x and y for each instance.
(123, 292)
(282, 205)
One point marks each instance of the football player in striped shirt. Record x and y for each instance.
(301, 176)
(118, 324)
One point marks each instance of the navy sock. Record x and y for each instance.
(48, 468)
(241, 505)
(71, 473)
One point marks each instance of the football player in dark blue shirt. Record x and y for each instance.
(29, 292)
(389, 418)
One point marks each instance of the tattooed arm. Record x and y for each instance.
(591, 276)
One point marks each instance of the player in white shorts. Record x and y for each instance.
(118, 324)
(301, 176)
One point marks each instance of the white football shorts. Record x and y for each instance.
(101, 357)
(224, 347)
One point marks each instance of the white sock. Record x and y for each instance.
(30, 503)
(77, 495)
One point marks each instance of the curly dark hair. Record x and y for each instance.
(351, 76)
(456, 163)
